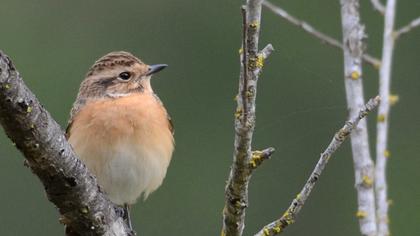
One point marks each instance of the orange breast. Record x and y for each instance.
(126, 142)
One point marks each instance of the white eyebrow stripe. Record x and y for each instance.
(118, 95)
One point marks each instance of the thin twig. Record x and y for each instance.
(405, 29)
(353, 33)
(377, 5)
(84, 209)
(266, 51)
(289, 216)
(244, 160)
(314, 32)
(382, 124)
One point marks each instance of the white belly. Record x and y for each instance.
(131, 171)
(124, 170)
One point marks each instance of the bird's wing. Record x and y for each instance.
(171, 125)
(67, 134)
(170, 122)
(80, 102)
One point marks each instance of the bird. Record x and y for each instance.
(121, 130)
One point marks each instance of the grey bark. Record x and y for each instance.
(74, 191)
(353, 34)
(381, 187)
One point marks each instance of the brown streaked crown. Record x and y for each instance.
(113, 59)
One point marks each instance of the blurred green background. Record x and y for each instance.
(300, 104)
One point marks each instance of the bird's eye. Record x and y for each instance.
(124, 75)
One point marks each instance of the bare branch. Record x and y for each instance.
(244, 162)
(84, 208)
(378, 6)
(353, 33)
(289, 216)
(382, 124)
(410, 26)
(315, 33)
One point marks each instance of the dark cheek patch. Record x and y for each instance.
(106, 82)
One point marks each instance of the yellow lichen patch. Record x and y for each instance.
(253, 163)
(29, 109)
(367, 181)
(238, 113)
(249, 94)
(327, 158)
(266, 231)
(355, 75)
(298, 196)
(361, 214)
(277, 229)
(290, 221)
(260, 61)
(241, 50)
(390, 202)
(387, 153)
(377, 65)
(381, 118)
(32, 126)
(222, 233)
(255, 159)
(393, 99)
(6, 86)
(254, 24)
(288, 218)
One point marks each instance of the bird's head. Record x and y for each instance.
(118, 74)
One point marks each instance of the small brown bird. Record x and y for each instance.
(120, 129)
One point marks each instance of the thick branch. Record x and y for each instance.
(314, 32)
(244, 162)
(405, 29)
(378, 6)
(289, 216)
(84, 208)
(382, 125)
(353, 33)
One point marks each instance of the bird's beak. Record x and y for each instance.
(153, 69)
